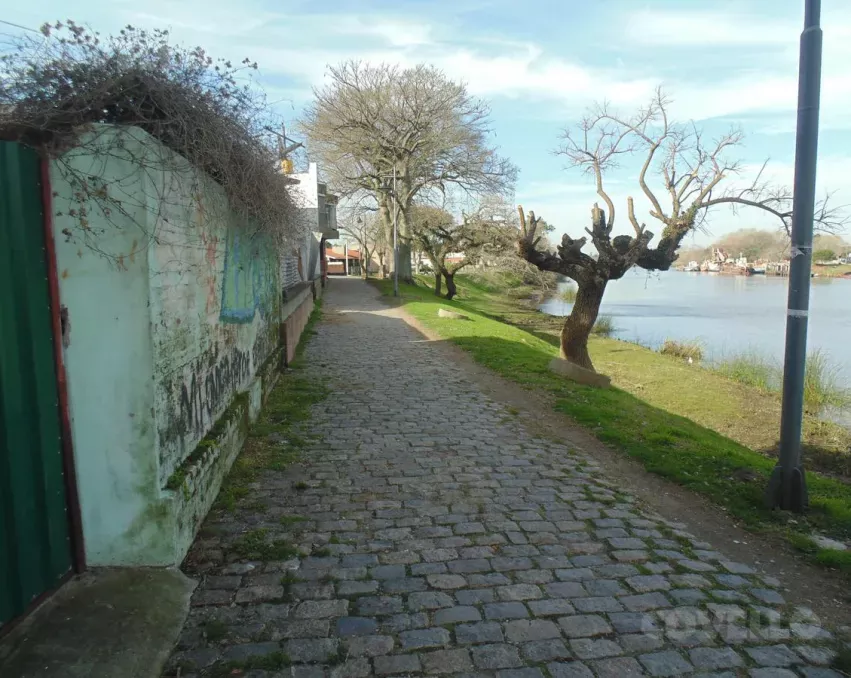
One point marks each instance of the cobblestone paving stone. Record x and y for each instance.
(447, 539)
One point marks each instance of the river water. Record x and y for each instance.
(727, 314)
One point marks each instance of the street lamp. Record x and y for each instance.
(787, 488)
(395, 234)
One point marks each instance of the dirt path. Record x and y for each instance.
(448, 538)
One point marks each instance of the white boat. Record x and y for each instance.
(692, 267)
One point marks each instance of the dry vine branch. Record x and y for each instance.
(52, 92)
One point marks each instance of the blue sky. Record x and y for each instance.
(540, 63)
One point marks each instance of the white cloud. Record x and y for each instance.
(300, 45)
(717, 27)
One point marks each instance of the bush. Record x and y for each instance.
(53, 88)
(604, 327)
(824, 255)
(821, 384)
(822, 387)
(568, 295)
(683, 349)
(752, 369)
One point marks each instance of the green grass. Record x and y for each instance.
(270, 662)
(215, 630)
(291, 520)
(750, 368)
(255, 545)
(682, 349)
(690, 425)
(822, 387)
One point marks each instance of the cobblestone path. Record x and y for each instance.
(447, 539)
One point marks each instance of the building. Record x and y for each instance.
(345, 261)
(318, 222)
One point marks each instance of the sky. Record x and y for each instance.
(540, 64)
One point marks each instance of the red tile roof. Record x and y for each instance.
(339, 254)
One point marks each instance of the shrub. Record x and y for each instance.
(604, 327)
(568, 295)
(53, 88)
(752, 369)
(683, 349)
(821, 384)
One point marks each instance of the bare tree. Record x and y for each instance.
(365, 229)
(440, 235)
(697, 175)
(372, 120)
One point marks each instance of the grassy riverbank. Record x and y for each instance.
(832, 271)
(686, 423)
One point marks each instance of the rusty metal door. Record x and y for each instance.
(35, 542)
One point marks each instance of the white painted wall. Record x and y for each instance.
(173, 310)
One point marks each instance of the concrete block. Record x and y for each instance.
(579, 374)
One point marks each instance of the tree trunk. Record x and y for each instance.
(451, 290)
(437, 281)
(406, 273)
(577, 328)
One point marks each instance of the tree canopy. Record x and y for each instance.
(370, 121)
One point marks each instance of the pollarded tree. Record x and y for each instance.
(370, 120)
(439, 235)
(697, 175)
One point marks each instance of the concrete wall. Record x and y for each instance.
(108, 360)
(174, 314)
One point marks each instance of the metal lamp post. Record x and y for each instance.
(395, 240)
(395, 235)
(787, 488)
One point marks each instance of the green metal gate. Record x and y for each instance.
(35, 544)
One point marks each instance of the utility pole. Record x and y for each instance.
(284, 148)
(395, 238)
(787, 488)
(395, 231)
(346, 257)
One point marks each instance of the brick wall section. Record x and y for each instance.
(294, 326)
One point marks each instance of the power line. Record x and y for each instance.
(23, 28)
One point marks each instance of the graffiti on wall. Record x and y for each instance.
(206, 393)
(250, 278)
(196, 394)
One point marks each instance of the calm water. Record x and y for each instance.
(728, 314)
